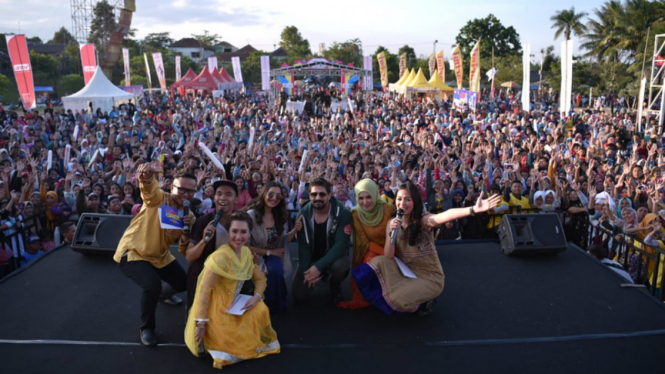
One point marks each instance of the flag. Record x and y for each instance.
(178, 72)
(159, 67)
(125, 60)
(383, 70)
(212, 63)
(402, 64)
(368, 84)
(474, 68)
(265, 73)
(20, 59)
(147, 71)
(441, 65)
(526, 77)
(490, 77)
(457, 61)
(432, 64)
(88, 61)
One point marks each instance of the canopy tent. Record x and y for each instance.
(401, 83)
(221, 82)
(203, 82)
(436, 81)
(232, 82)
(188, 77)
(419, 81)
(100, 92)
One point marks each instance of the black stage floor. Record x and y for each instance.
(70, 313)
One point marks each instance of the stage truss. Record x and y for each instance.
(656, 92)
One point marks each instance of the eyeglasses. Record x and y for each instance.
(315, 194)
(184, 191)
(277, 196)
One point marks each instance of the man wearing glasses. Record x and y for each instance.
(143, 252)
(323, 243)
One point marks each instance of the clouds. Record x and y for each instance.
(153, 12)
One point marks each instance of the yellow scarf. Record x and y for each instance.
(225, 263)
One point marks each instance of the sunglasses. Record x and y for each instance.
(184, 191)
(315, 194)
(277, 196)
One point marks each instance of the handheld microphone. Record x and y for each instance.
(393, 235)
(218, 217)
(185, 210)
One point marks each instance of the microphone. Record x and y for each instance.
(393, 235)
(185, 210)
(218, 217)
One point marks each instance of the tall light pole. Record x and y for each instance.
(434, 49)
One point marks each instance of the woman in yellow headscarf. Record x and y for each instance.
(370, 218)
(231, 338)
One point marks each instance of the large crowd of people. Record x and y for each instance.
(388, 176)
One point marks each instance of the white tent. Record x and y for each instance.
(100, 92)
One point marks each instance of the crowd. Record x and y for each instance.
(325, 179)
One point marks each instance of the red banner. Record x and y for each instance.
(89, 61)
(402, 65)
(18, 53)
(383, 70)
(457, 61)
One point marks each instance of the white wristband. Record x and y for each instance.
(259, 295)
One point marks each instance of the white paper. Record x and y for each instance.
(302, 160)
(76, 132)
(49, 160)
(405, 269)
(237, 305)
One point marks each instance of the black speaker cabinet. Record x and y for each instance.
(525, 234)
(99, 233)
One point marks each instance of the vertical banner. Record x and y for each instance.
(159, 67)
(369, 79)
(569, 77)
(441, 66)
(402, 64)
(89, 61)
(566, 76)
(147, 71)
(457, 61)
(212, 63)
(526, 77)
(265, 73)
(178, 72)
(237, 72)
(125, 61)
(640, 103)
(383, 70)
(474, 68)
(20, 58)
(432, 64)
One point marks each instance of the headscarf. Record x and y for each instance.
(54, 195)
(604, 196)
(539, 194)
(619, 212)
(225, 263)
(374, 215)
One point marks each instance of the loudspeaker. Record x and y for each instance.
(99, 233)
(525, 234)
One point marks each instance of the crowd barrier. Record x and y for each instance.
(16, 240)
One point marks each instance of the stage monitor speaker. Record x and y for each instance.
(99, 233)
(527, 234)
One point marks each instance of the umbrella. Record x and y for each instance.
(510, 84)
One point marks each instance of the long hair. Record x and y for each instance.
(415, 226)
(279, 212)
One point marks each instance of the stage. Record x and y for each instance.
(70, 313)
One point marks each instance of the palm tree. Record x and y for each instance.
(567, 21)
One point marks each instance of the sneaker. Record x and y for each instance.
(336, 292)
(426, 308)
(148, 338)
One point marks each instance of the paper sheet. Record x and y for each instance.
(405, 269)
(237, 305)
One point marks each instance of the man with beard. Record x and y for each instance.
(323, 243)
(205, 238)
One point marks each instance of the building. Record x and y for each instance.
(242, 53)
(193, 49)
(224, 47)
(279, 54)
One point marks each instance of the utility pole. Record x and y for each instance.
(434, 49)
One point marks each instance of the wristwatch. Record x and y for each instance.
(473, 213)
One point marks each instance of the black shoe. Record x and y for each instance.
(426, 309)
(172, 300)
(148, 338)
(336, 293)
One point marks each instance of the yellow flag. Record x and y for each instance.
(474, 68)
(383, 69)
(441, 66)
(457, 61)
(402, 64)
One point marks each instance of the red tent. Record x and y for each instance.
(226, 75)
(204, 81)
(189, 76)
(216, 75)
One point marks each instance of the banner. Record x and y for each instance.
(457, 61)
(441, 66)
(566, 76)
(383, 70)
(402, 64)
(89, 61)
(348, 79)
(159, 67)
(178, 73)
(125, 61)
(147, 71)
(526, 77)
(265, 73)
(237, 72)
(474, 68)
(465, 97)
(432, 64)
(20, 58)
(640, 103)
(490, 77)
(212, 63)
(368, 83)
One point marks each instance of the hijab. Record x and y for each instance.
(49, 214)
(539, 194)
(619, 212)
(374, 215)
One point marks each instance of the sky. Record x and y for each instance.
(392, 24)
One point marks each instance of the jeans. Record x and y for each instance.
(149, 278)
(338, 272)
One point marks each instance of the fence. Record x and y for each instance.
(15, 240)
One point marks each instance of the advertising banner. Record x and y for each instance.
(147, 71)
(432, 64)
(368, 84)
(457, 62)
(265, 73)
(178, 73)
(159, 67)
(465, 97)
(89, 61)
(441, 66)
(212, 63)
(474, 68)
(383, 70)
(402, 64)
(20, 59)
(125, 60)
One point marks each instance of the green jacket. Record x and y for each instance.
(338, 236)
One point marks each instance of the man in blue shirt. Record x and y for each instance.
(33, 250)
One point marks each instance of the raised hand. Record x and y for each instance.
(483, 205)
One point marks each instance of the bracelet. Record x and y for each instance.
(259, 295)
(202, 319)
(473, 213)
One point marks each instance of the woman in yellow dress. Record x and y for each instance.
(370, 218)
(227, 337)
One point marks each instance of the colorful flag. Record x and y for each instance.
(125, 60)
(441, 65)
(457, 61)
(402, 64)
(474, 68)
(368, 84)
(432, 64)
(89, 61)
(159, 67)
(265, 73)
(178, 72)
(20, 58)
(237, 72)
(147, 71)
(383, 70)
(212, 63)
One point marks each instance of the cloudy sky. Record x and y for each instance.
(260, 22)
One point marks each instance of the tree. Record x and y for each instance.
(35, 39)
(410, 55)
(157, 42)
(8, 89)
(102, 26)
(70, 84)
(492, 34)
(251, 67)
(207, 38)
(45, 69)
(63, 36)
(5, 83)
(349, 51)
(568, 22)
(295, 45)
